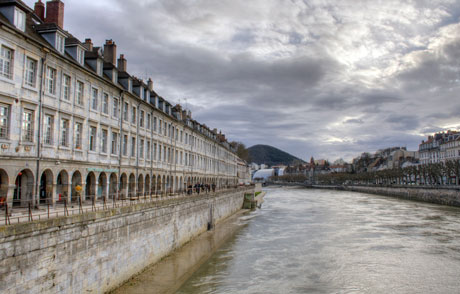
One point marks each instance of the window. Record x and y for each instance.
(159, 152)
(133, 117)
(28, 125)
(115, 108)
(31, 72)
(141, 148)
(92, 138)
(4, 121)
(141, 119)
(48, 129)
(78, 135)
(148, 150)
(6, 63)
(155, 151)
(148, 121)
(60, 43)
(20, 19)
(80, 91)
(133, 146)
(104, 141)
(125, 111)
(64, 132)
(114, 143)
(165, 128)
(80, 56)
(66, 81)
(51, 80)
(155, 124)
(94, 94)
(125, 145)
(105, 103)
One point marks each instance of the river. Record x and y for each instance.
(322, 241)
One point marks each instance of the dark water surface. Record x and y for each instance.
(320, 241)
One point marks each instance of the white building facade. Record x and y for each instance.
(71, 115)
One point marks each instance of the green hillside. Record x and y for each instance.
(271, 156)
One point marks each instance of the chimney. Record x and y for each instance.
(150, 84)
(55, 13)
(88, 45)
(122, 63)
(110, 52)
(39, 9)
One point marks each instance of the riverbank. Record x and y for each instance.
(97, 251)
(169, 274)
(431, 194)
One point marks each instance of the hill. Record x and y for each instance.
(271, 156)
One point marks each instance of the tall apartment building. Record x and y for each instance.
(71, 114)
(440, 147)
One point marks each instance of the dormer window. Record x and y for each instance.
(100, 69)
(60, 43)
(80, 56)
(130, 85)
(20, 19)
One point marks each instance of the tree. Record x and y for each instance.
(241, 150)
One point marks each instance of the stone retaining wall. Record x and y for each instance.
(96, 252)
(438, 196)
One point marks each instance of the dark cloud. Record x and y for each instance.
(325, 79)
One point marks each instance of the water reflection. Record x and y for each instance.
(318, 241)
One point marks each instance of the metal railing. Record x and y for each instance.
(32, 210)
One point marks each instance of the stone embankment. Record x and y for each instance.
(97, 251)
(444, 196)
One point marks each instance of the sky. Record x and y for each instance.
(323, 78)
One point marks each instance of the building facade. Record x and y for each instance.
(71, 115)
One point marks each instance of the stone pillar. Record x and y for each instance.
(66, 192)
(53, 194)
(107, 190)
(9, 197)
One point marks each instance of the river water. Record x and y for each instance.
(321, 241)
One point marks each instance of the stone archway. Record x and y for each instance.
(147, 186)
(24, 188)
(90, 191)
(132, 185)
(123, 191)
(62, 186)
(140, 185)
(46, 187)
(102, 186)
(4, 185)
(113, 186)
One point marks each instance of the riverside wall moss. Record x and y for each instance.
(95, 252)
(442, 196)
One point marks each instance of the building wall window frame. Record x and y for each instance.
(31, 72)
(94, 98)
(66, 87)
(104, 140)
(80, 93)
(125, 145)
(92, 138)
(148, 150)
(105, 103)
(114, 145)
(141, 118)
(51, 80)
(6, 62)
(5, 120)
(133, 115)
(141, 148)
(78, 135)
(126, 111)
(149, 121)
(28, 125)
(48, 129)
(65, 125)
(60, 42)
(133, 146)
(116, 107)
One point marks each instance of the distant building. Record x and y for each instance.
(439, 147)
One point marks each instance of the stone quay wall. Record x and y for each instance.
(96, 252)
(442, 196)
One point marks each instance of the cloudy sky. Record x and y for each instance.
(326, 78)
